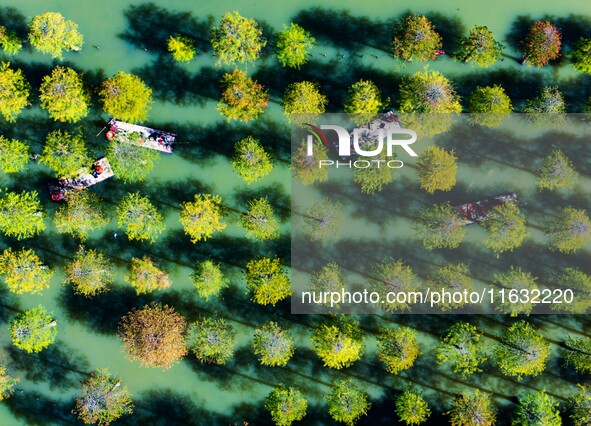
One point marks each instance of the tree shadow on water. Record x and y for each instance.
(275, 195)
(39, 410)
(15, 21)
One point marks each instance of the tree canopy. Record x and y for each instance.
(208, 279)
(267, 280)
(273, 345)
(286, 405)
(398, 348)
(480, 47)
(259, 221)
(516, 279)
(126, 97)
(323, 218)
(568, 230)
(202, 217)
(242, 98)
(154, 335)
(389, 276)
(14, 92)
(303, 102)
(212, 340)
(580, 56)
(293, 46)
(328, 278)
(550, 101)
(428, 92)
(505, 228)
(489, 105)
(537, 408)
(472, 409)
(440, 226)
(14, 154)
(145, 276)
(556, 171)
(10, 43)
(541, 44)
(411, 408)
(182, 48)
(462, 348)
(364, 101)
(522, 351)
(140, 218)
(306, 167)
(580, 404)
(33, 330)
(372, 179)
(21, 215)
(65, 153)
(7, 383)
(453, 277)
(51, 33)
(415, 38)
(250, 160)
(580, 283)
(63, 95)
(24, 272)
(237, 39)
(103, 399)
(82, 213)
(90, 273)
(347, 402)
(437, 169)
(339, 344)
(577, 354)
(131, 162)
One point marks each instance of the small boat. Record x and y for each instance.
(143, 136)
(440, 52)
(478, 211)
(99, 171)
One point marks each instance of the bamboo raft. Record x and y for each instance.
(478, 211)
(143, 136)
(101, 170)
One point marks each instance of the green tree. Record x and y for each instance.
(323, 218)
(537, 408)
(505, 228)
(202, 217)
(250, 160)
(293, 46)
(556, 171)
(237, 39)
(7, 384)
(10, 43)
(440, 226)
(267, 280)
(462, 348)
(541, 44)
(21, 215)
(243, 98)
(568, 230)
(328, 278)
(580, 406)
(259, 221)
(212, 340)
(63, 95)
(347, 402)
(398, 348)
(146, 277)
(303, 102)
(480, 47)
(372, 179)
(154, 335)
(103, 399)
(90, 273)
(411, 408)
(364, 101)
(415, 38)
(131, 162)
(428, 92)
(437, 169)
(580, 56)
(140, 218)
(306, 167)
(389, 276)
(577, 354)
(522, 351)
(126, 97)
(273, 345)
(339, 344)
(14, 92)
(208, 279)
(24, 272)
(454, 278)
(65, 153)
(14, 154)
(286, 405)
(51, 33)
(182, 48)
(489, 105)
(82, 213)
(472, 409)
(577, 281)
(33, 330)
(550, 101)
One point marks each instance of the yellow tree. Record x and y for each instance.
(202, 217)
(24, 272)
(267, 280)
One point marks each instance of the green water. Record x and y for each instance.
(191, 393)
